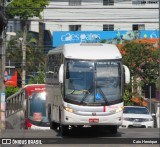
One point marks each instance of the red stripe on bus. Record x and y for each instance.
(104, 109)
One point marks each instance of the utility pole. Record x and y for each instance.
(23, 41)
(2, 84)
(3, 62)
(3, 34)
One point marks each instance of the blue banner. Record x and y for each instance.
(114, 37)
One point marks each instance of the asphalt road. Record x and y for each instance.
(83, 133)
(86, 137)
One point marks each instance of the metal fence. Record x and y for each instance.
(14, 103)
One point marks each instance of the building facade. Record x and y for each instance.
(101, 15)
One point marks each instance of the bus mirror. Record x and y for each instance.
(127, 74)
(24, 104)
(61, 73)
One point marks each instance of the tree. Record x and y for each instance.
(35, 56)
(142, 58)
(25, 9)
(38, 79)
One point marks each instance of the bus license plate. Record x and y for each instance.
(94, 120)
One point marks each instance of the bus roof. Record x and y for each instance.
(35, 87)
(88, 51)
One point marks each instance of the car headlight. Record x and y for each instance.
(148, 119)
(151, 119)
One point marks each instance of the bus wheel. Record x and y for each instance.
(113, 129)
(53, 125)
(64, 130)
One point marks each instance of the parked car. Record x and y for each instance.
(137, 116)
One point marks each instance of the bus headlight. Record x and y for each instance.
(69, 109)
(119, 109)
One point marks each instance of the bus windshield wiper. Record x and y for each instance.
(86, 94)
(103, 95)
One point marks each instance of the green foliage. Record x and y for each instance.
(39, 79)
(142, 60)
(128, 95)
(10, 90)
(26, 8)
(35, 56)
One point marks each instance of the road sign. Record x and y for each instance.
(150, 90)
(3, 95)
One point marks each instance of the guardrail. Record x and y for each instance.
(14, 103)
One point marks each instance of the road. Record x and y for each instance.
(86, 137)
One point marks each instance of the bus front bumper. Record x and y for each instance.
(74, 119)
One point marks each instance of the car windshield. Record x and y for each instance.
(93, 81)
(135, 110)
(37, 107)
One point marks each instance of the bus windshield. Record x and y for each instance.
(37, 107)
(93, 82)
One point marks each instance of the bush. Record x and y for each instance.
(10, 90)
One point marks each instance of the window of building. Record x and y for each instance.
(74, 2)
(74, 27)
(138, 2)
(10, 28)
(143, 2)
(108, 27)
(138, 27)
(108, 2)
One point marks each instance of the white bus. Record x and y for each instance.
(85, 86)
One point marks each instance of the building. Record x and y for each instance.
(100, 15)
(93, 15)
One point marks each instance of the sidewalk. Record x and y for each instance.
(2, 124)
